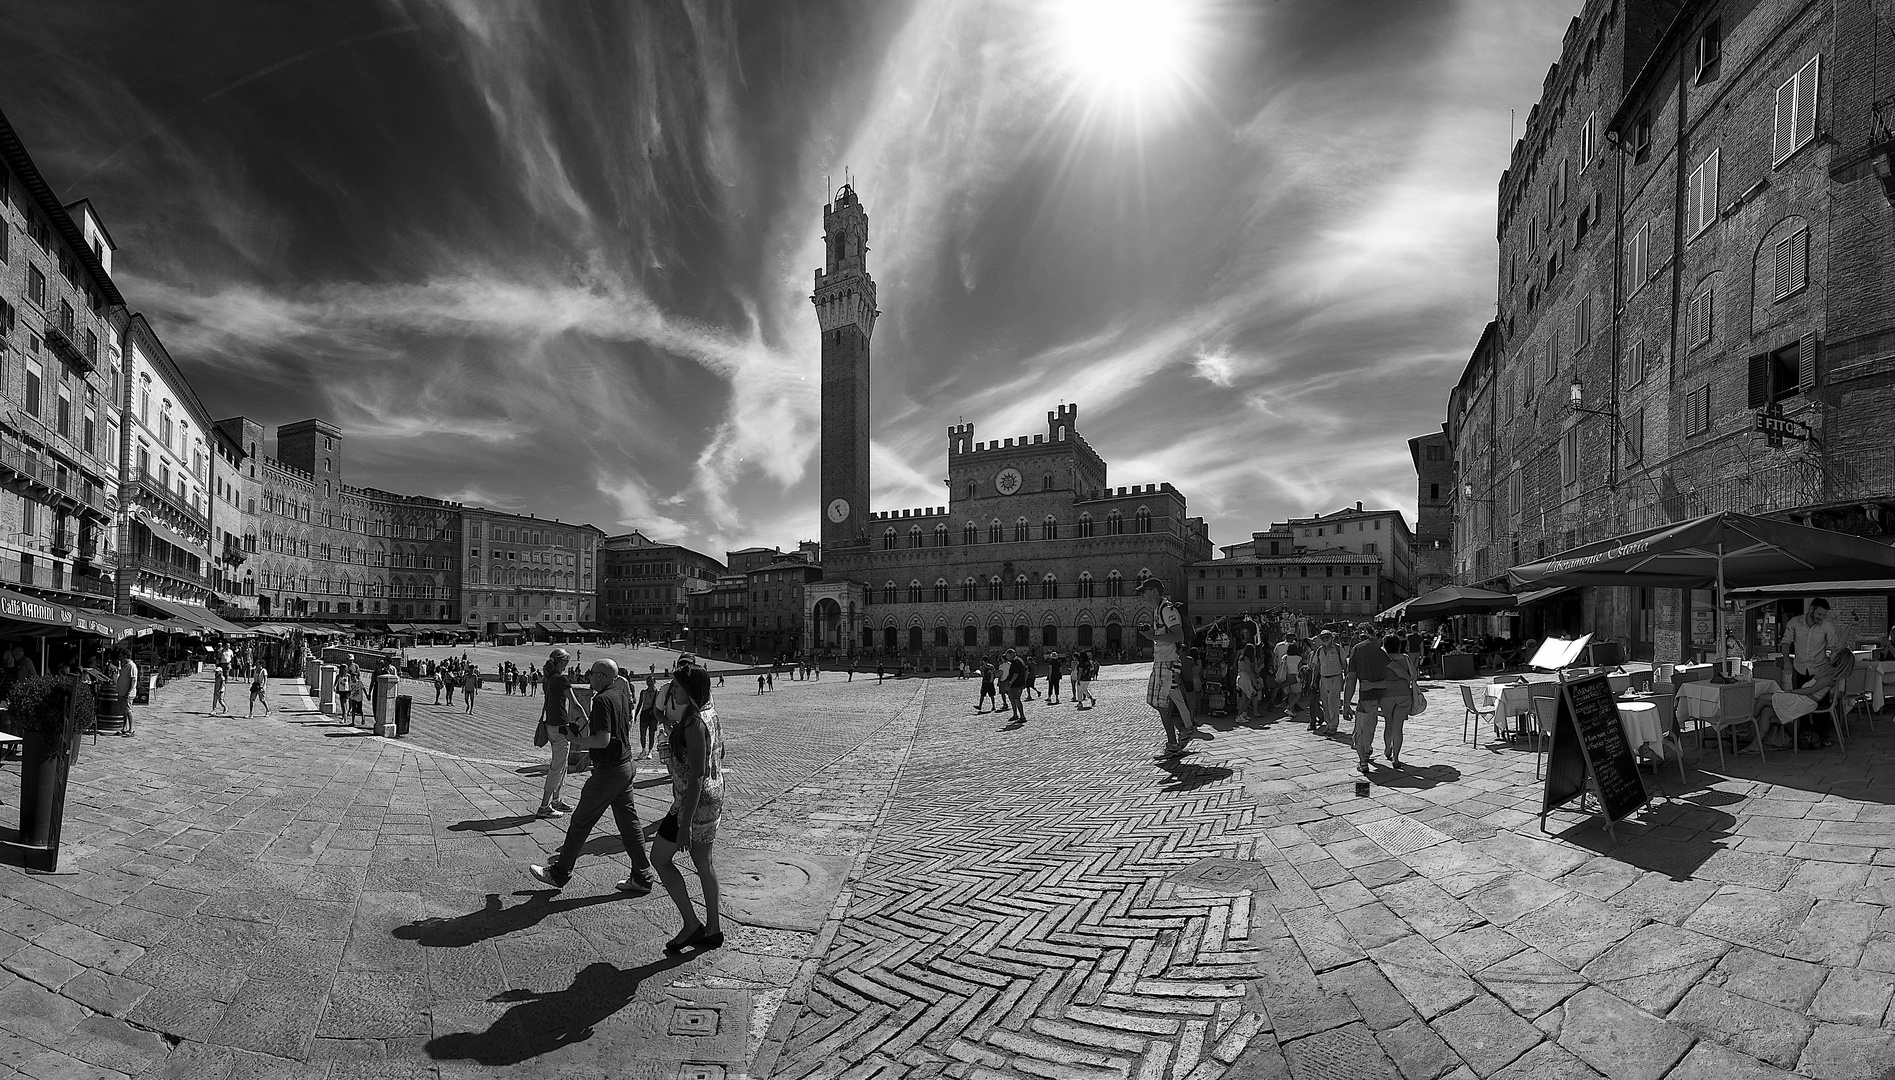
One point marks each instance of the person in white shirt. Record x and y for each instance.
(1810, 639)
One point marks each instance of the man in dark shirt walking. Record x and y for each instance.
(607, 734)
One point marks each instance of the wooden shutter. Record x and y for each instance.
(1786, 119)
(1694, 201)
(1759, 380)
(1805, 126)
(1806, 364)
(1799, 260)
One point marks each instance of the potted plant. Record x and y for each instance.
(47, 712)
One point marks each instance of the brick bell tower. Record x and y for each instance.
(845, 310)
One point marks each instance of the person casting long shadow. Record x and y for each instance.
(693, 754)
(542, 1023)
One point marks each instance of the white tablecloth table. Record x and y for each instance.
(1643, 729)
(1881, 678)
(1705, 700)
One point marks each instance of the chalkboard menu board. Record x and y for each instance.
(1590, 751)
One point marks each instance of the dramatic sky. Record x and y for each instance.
(556, 257)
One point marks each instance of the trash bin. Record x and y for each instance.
(404, 709)
(383, 690)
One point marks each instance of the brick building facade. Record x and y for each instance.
(61, 326)
(1692, 231)
(1433, 455)
(1035, 549)
(523, 573)
(644, 587)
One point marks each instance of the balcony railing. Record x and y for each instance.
(60, 341)
(150, 486)
(153, 564)
(25, 463)
(62, 541)
(43, 577)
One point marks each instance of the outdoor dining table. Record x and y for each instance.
(1705, 700)
(1881, 677)
(1644, 729)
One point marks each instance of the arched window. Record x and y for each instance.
(970, 635)
(995, 590)
(1085, 635)
(1019, 587)
(888, 539)
(1020, 635)
(914, 591)
(1114, 524)
(941, 534)
(1049, 528)
(914, 639)
(1046, 482)
(972, 487)
(1019, 529)
(969, 590)
(1085, 524)
(970, 534)
(1142, 520)
(1143, 573)
(888, 593)
(993, 636)
(890, 638)
(941, 593)
(940, 637)
(914, 536)
(1085, 583)
(1114, 584)
(995, 534)
(1049, 587)
(1049, 635)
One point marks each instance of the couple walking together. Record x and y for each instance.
(1381, 678)
(692, 748)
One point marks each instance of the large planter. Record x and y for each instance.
(48, 713)
(43, 768)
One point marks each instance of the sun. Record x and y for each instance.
(1138, 59)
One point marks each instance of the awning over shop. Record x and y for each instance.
(35, 612)
(569, 628)
(1538, 595)
(274, 629)
(171, 536)
(513, 627)
(1827, 588)
(401, 628)
(196, 615)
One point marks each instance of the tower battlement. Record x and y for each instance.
(916, 515)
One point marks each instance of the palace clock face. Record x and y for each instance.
(1007, 482)
(838, 510)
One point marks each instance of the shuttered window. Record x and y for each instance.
(1582, 323)
(1790, 264)
(1638, 258)
(1700, 318)
(1552, 356)
(1806, 365)
(1635, 435)
(1634, 363)
(1796, 110)
(1698, 410)
(1701, 196)
(1569, 457)
(1588, 139)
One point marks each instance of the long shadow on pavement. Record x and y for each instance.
(1189, 776)
(542, 1023)
(494, 920)
(499, 824)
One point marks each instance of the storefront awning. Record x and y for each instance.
(1823, 588)
(171, 536)
(513, 627)
(31, 610)
(1537, 595)
(274, 629)
(196, 615)
(569, 628)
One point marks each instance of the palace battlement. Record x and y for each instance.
(914, 515)
(1132, 491)
(1062, 428)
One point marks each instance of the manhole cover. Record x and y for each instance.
(1400, 836)
(698, 1022)
(1219, 873)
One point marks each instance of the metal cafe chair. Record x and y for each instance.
(1476, 709)
(1545, 714)
(1736, 705)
